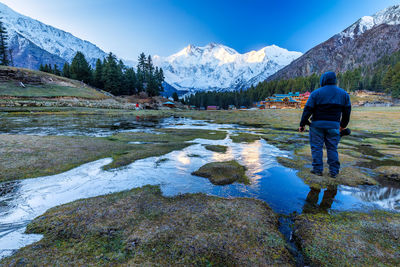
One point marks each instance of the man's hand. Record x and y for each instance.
(302, 129)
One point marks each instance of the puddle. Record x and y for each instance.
(22, 201)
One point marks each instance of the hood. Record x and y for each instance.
(328, 78)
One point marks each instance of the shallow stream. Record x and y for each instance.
(22, 201)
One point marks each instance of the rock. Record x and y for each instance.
(223, 173)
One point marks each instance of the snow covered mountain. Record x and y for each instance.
(34, 42)
(218, 67)
(363, 43)
(388, 16)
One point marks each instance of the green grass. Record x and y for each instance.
(12, 89)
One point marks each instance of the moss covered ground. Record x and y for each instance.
(142, 228)
(349, 238)
(223, 173)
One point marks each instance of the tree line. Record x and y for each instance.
(6, 58)
(112, 75)
(382, 76)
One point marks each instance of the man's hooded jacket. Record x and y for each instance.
(329, 106)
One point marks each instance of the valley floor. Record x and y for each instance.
(143, 227)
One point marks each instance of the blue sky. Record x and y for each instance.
(163, 27)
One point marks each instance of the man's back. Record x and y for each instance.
(329, 105)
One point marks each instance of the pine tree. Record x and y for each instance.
(56, 71)
(175, 96)
(141, 73)
(80, 69)
(130, 82)
(4, 53)
(50, 70)
(112, 75)
(41, 68)
(66, 70)
(46, 68)
(98, 75)
(387, 79)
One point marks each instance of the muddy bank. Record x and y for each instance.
(349, 238)
(142, 227)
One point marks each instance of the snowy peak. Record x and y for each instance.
(56, 42)
(389, 16)
(219, 67)
(212, 50)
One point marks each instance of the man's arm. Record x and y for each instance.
(346, 112)
(307, 112)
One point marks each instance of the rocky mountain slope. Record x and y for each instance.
(218, 67)
(34, 43)
(363, 43)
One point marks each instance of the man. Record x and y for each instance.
(330, 109)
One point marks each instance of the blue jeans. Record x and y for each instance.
(331, 138)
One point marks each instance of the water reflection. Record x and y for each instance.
(383, 197)
(311, 203)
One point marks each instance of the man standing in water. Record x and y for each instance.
(330, 109)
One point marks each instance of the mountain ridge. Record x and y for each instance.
(362, 43)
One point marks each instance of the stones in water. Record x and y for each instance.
(223, 173)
